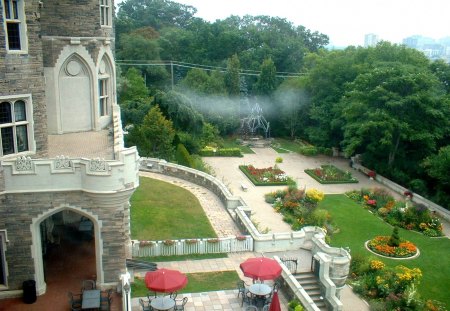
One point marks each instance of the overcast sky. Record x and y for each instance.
(344, 21)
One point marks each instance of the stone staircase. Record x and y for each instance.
(310, 284)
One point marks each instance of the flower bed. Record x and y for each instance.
(299, 208)
(379, 245)
(329, 174)
(270, 176)
(397, 213)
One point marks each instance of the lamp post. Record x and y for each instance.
(126, 288)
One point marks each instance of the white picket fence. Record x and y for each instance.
(192, 246)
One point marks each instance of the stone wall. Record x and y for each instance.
(23, 74)
(21, 209)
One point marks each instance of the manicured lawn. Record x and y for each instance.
(161, 210)
(197, 283)
(230, 142)
(357, 225)
(281, 145)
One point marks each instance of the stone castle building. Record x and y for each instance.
(63, 165)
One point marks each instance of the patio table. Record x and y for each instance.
(91, 299)
(260, 289)
(162, 303)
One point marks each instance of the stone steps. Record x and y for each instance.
(311, 285)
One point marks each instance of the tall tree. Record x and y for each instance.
(392, 109)
(267, 80)
(154, 137)
(232, 76)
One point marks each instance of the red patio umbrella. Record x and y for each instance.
(165, 280)
(275, 304)
(261, 268)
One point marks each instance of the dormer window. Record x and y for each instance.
(105, 13)
(14, 24)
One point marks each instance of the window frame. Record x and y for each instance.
(3, 262)
(103, 96)
(20, 20)
(28, 122)
(105, 13)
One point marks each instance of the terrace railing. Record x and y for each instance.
(192, 246)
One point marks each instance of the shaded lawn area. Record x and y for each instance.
(284, 145)
(357, 225)
(161, 210)
(230, 142)
(197, 283)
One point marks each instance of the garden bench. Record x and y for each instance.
(244, 187)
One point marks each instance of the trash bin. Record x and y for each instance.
(29, 291)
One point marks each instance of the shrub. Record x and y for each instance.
(319, 217)
(221, 152)
(394, 240)
(314, 195)
(279, 160)
(183, 157)
(308, 150)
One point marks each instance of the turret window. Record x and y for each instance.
(105, 13)
(14, 24)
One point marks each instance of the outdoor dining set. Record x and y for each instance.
(167, 282)
(90, 298)
(257, 296)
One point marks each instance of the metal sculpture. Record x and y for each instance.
(254, 121)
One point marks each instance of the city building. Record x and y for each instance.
(370, 40)
(65, 174)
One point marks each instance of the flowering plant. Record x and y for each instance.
(408, 193)
(241, 238)
(169, 242)
(380, 246)
(146, 243)
(372, 174)
(213, 240)
(191, 241)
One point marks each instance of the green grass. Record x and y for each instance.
(282, 145)
(230, 142)
(160, 211)
(197, 283)
(183, 257)
(357, 225)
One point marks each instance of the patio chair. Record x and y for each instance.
(173, 295)
(251, 308)
(242, 290)
(145, 306)
(180, 303)
(105, 305)
(105, 295)
(247, 298)
(266, 307)
(87, 285)
(75, 301)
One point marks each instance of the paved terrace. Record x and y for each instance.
(93, 144)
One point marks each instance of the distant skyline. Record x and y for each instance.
(345, 21)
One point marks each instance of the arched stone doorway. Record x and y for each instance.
(66, 249)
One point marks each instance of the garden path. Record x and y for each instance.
(227, 170)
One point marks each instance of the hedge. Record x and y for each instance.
(222, 152)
